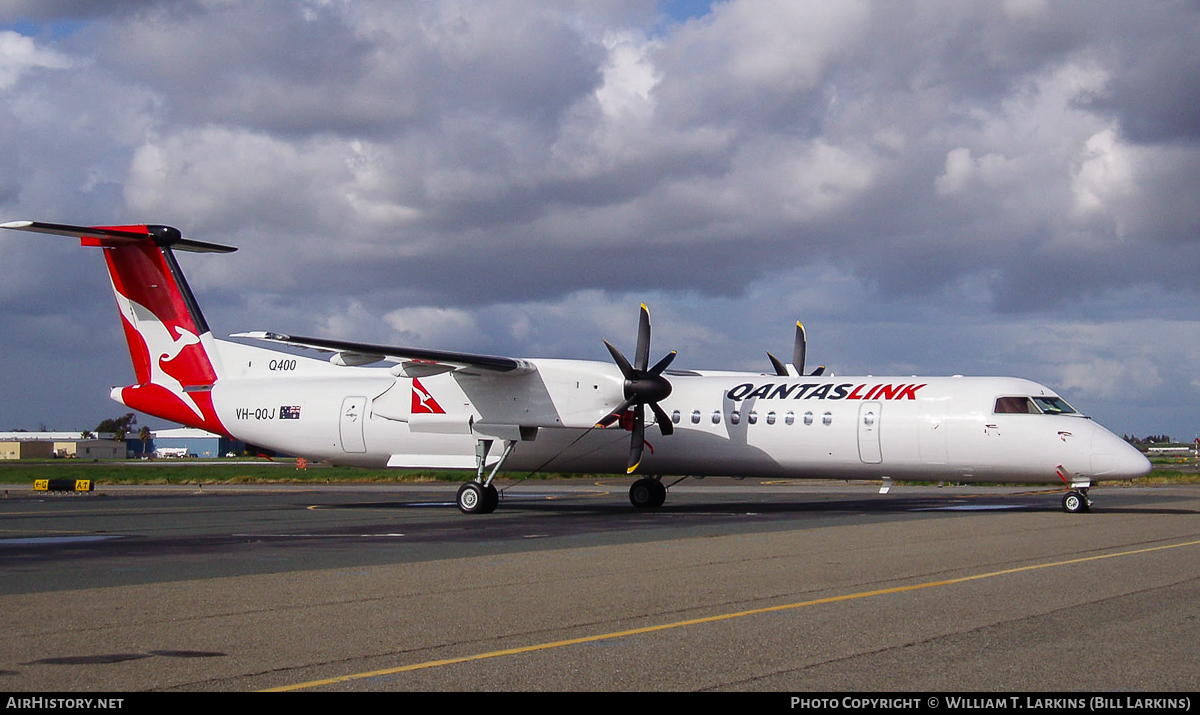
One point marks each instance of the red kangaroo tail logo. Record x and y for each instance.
(423, 402)
(165, 332)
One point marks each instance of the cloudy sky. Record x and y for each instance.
(932, 186)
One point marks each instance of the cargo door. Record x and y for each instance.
(353, 416)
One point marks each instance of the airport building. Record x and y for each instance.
(90, 449)
(46, 445)
(184, 442)
(164, 443)
(25, 449)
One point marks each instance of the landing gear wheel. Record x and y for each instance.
(474, 498)
(1075, 502)
(647, 494)
(660, 494)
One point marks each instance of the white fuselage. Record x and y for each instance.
(739, 424)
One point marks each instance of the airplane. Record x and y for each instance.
(437, 409)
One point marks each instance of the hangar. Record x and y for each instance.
(185, 441)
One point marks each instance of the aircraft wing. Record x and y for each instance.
(414, 362)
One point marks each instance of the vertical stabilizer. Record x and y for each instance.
(170, 344)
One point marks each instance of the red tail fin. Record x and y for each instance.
(169, 341)
(166, 334)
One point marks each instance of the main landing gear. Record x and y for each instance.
(1076, 501)
(476, 498)
(481, 496)
(648, 493)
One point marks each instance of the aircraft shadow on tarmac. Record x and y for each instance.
(604, 503)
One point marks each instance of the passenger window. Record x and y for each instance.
(808, 418)
(716, 418)
(827, 419)
(789, 418)
(752, 418)
(770, 418)
(695, 417)
(735, 417)
(675, 416)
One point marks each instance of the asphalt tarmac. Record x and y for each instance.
(731, 586)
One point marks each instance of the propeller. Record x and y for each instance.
(798, 351)
(643, 387)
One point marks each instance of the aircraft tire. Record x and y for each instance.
(660, 493)
(1074, 503)
(647, 494)
(493, 498)
(473, 498)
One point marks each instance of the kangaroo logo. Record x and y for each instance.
(161, 346)
(423, 402)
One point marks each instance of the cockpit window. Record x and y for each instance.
(1033, 406)
(1015, 405)
(1054, 406)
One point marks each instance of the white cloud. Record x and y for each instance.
(1110, 378)
(805, 180)
(629, 78)
(219, 178)
(959, 169)
(432, 326)
(991, 170)
(783, 44)
(19, 54)
(1105, 174)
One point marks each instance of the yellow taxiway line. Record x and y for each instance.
(712, 619)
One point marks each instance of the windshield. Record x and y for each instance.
(1015, 405)
(1033, 406)
(1054, 406)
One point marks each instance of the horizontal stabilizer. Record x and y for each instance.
(116, 235)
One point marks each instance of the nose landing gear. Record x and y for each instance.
(1076, 501)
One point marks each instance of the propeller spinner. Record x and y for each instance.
(643, 387)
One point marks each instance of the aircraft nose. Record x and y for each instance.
(1114, 458)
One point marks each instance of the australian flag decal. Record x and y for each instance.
(289, 413)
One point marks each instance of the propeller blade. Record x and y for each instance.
(780, 369)
(641, 357)
(819, 371)
(638, 442)
(799, 349)
(616, 413)
(662, 364)
(619, 358)
(664, 421)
